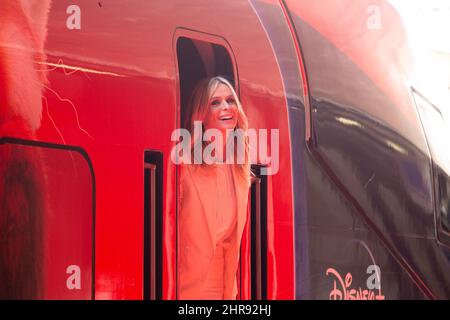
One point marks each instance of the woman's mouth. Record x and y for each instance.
(226, 117)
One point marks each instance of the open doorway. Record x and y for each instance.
(199, 56)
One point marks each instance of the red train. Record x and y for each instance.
(91, 91)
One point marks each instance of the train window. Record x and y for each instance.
(444, 200)
(153, 204)
(442, 187)
(47, 222)
(197, 60)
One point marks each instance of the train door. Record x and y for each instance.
(199, 56)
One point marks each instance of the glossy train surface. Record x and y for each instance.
(89, 194)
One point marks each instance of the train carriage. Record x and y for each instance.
(93, 90)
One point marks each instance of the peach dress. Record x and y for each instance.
(225, 226)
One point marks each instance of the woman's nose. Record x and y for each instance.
(225, 104)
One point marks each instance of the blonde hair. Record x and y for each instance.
(198, 109)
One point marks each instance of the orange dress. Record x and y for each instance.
(225, 226)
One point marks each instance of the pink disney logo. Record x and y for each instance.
(344, 292)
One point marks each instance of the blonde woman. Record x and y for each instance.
(213, 197)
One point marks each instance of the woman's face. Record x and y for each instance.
(222, 110)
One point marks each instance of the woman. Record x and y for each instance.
(213, 197)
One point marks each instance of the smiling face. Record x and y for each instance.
(222, 110)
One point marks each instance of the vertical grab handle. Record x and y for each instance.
(258, 235)
(153, 225)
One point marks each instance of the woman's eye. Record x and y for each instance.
(215, 102)
(230, 101)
